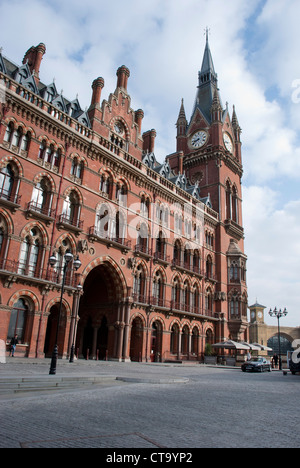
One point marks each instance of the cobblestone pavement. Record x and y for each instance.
(216, 407)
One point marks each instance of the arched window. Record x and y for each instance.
(145, 204)
(208, 302)
(160, 246)
(121, 194)
(25, 142)
(106, 184)
(209, 267)
(195, 341)
(77, 168)
(234, 307)
(158, 289)
(177, 253)
(31, 254)
(3, 241)
(71, 209)
(187, 258)
(235, 210)
(18, 318)
(174, 339)
(17, 137)
(234, 272)
(9, 132)
(209, 337)
(139, 284)
(142, 241)
(195, 300)
(176, 294)
(185, 340)
(41, 197)
(186, 296)
(103, 222)
(8, 180)
(228, 201)
(196, 262)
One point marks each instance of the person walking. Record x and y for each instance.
(275, 359)
(13, 343)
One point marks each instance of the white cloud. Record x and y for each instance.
(273, 249)
(162, 42)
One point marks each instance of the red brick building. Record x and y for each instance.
(161, 244)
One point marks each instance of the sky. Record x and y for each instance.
(255, 49)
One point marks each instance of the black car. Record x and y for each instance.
(257, 364)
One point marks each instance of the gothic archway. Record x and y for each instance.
(136, 341)
(99, 309)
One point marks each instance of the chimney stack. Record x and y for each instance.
(97, 87)
(123, 74)
(149, 140)
(34, 57)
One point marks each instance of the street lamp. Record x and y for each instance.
(278, 314)
(72, 352)
(68, 257)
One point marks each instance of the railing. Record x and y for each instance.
(187, 266)
(11, 197)
(103, 235)
(34, 272)
(38, 208)
(65, 219)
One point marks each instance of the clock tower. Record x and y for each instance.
(209, 153)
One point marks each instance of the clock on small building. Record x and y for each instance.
(257, 313)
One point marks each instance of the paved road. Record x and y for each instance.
(214, 408)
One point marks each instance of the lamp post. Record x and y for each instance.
(72, 352)
(68, 257)
(278, 314)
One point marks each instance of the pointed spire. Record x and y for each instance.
(182, 117)
(208, 83)
(235, 125)
(216, 108)
(207, 62)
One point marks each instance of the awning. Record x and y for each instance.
(252, 346)
(231, 345)
(262, 347)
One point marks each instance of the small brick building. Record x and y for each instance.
(163, 268)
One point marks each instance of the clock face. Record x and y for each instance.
(259, 315)
(228, 142)
(199, 139)
(119, 128)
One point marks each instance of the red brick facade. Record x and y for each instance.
(161, 245)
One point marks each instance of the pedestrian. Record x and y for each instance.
(13, 343)
(249, 356)
(275, 359)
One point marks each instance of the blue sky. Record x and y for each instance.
(255, 51)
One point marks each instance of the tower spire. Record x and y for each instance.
(208, 82)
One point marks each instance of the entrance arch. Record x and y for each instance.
(156, 341)
(99, 311)
(52, 328)
(136, 340)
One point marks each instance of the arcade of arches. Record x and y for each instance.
(108, 326)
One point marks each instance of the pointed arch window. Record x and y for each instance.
(139, 284)
(18, 319)
(31, 254)
(158, 289)
(9, 132)
(41, 197)
(77, 168)
(71, 209)
(9, 182)
(176, 294)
